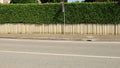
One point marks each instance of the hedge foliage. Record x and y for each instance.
(52, 13)
(23, 1)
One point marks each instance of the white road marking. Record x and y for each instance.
(67, 55)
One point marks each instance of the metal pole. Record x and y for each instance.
(63, 7)
(64, 21)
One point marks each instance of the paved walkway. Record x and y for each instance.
(63, 37)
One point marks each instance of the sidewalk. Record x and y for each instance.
(62, 37)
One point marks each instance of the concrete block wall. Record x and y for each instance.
(82, 29)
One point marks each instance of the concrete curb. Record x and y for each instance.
(62, 37)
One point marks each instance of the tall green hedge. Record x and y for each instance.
(52, 13)
(23, 1)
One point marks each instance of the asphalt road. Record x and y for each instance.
(16, 53)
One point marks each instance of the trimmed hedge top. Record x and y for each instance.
(101, 13)
(23, 1)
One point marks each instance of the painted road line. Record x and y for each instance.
(66, 55)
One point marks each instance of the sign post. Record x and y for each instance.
(63, 10)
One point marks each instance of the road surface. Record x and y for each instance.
(19, 53)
